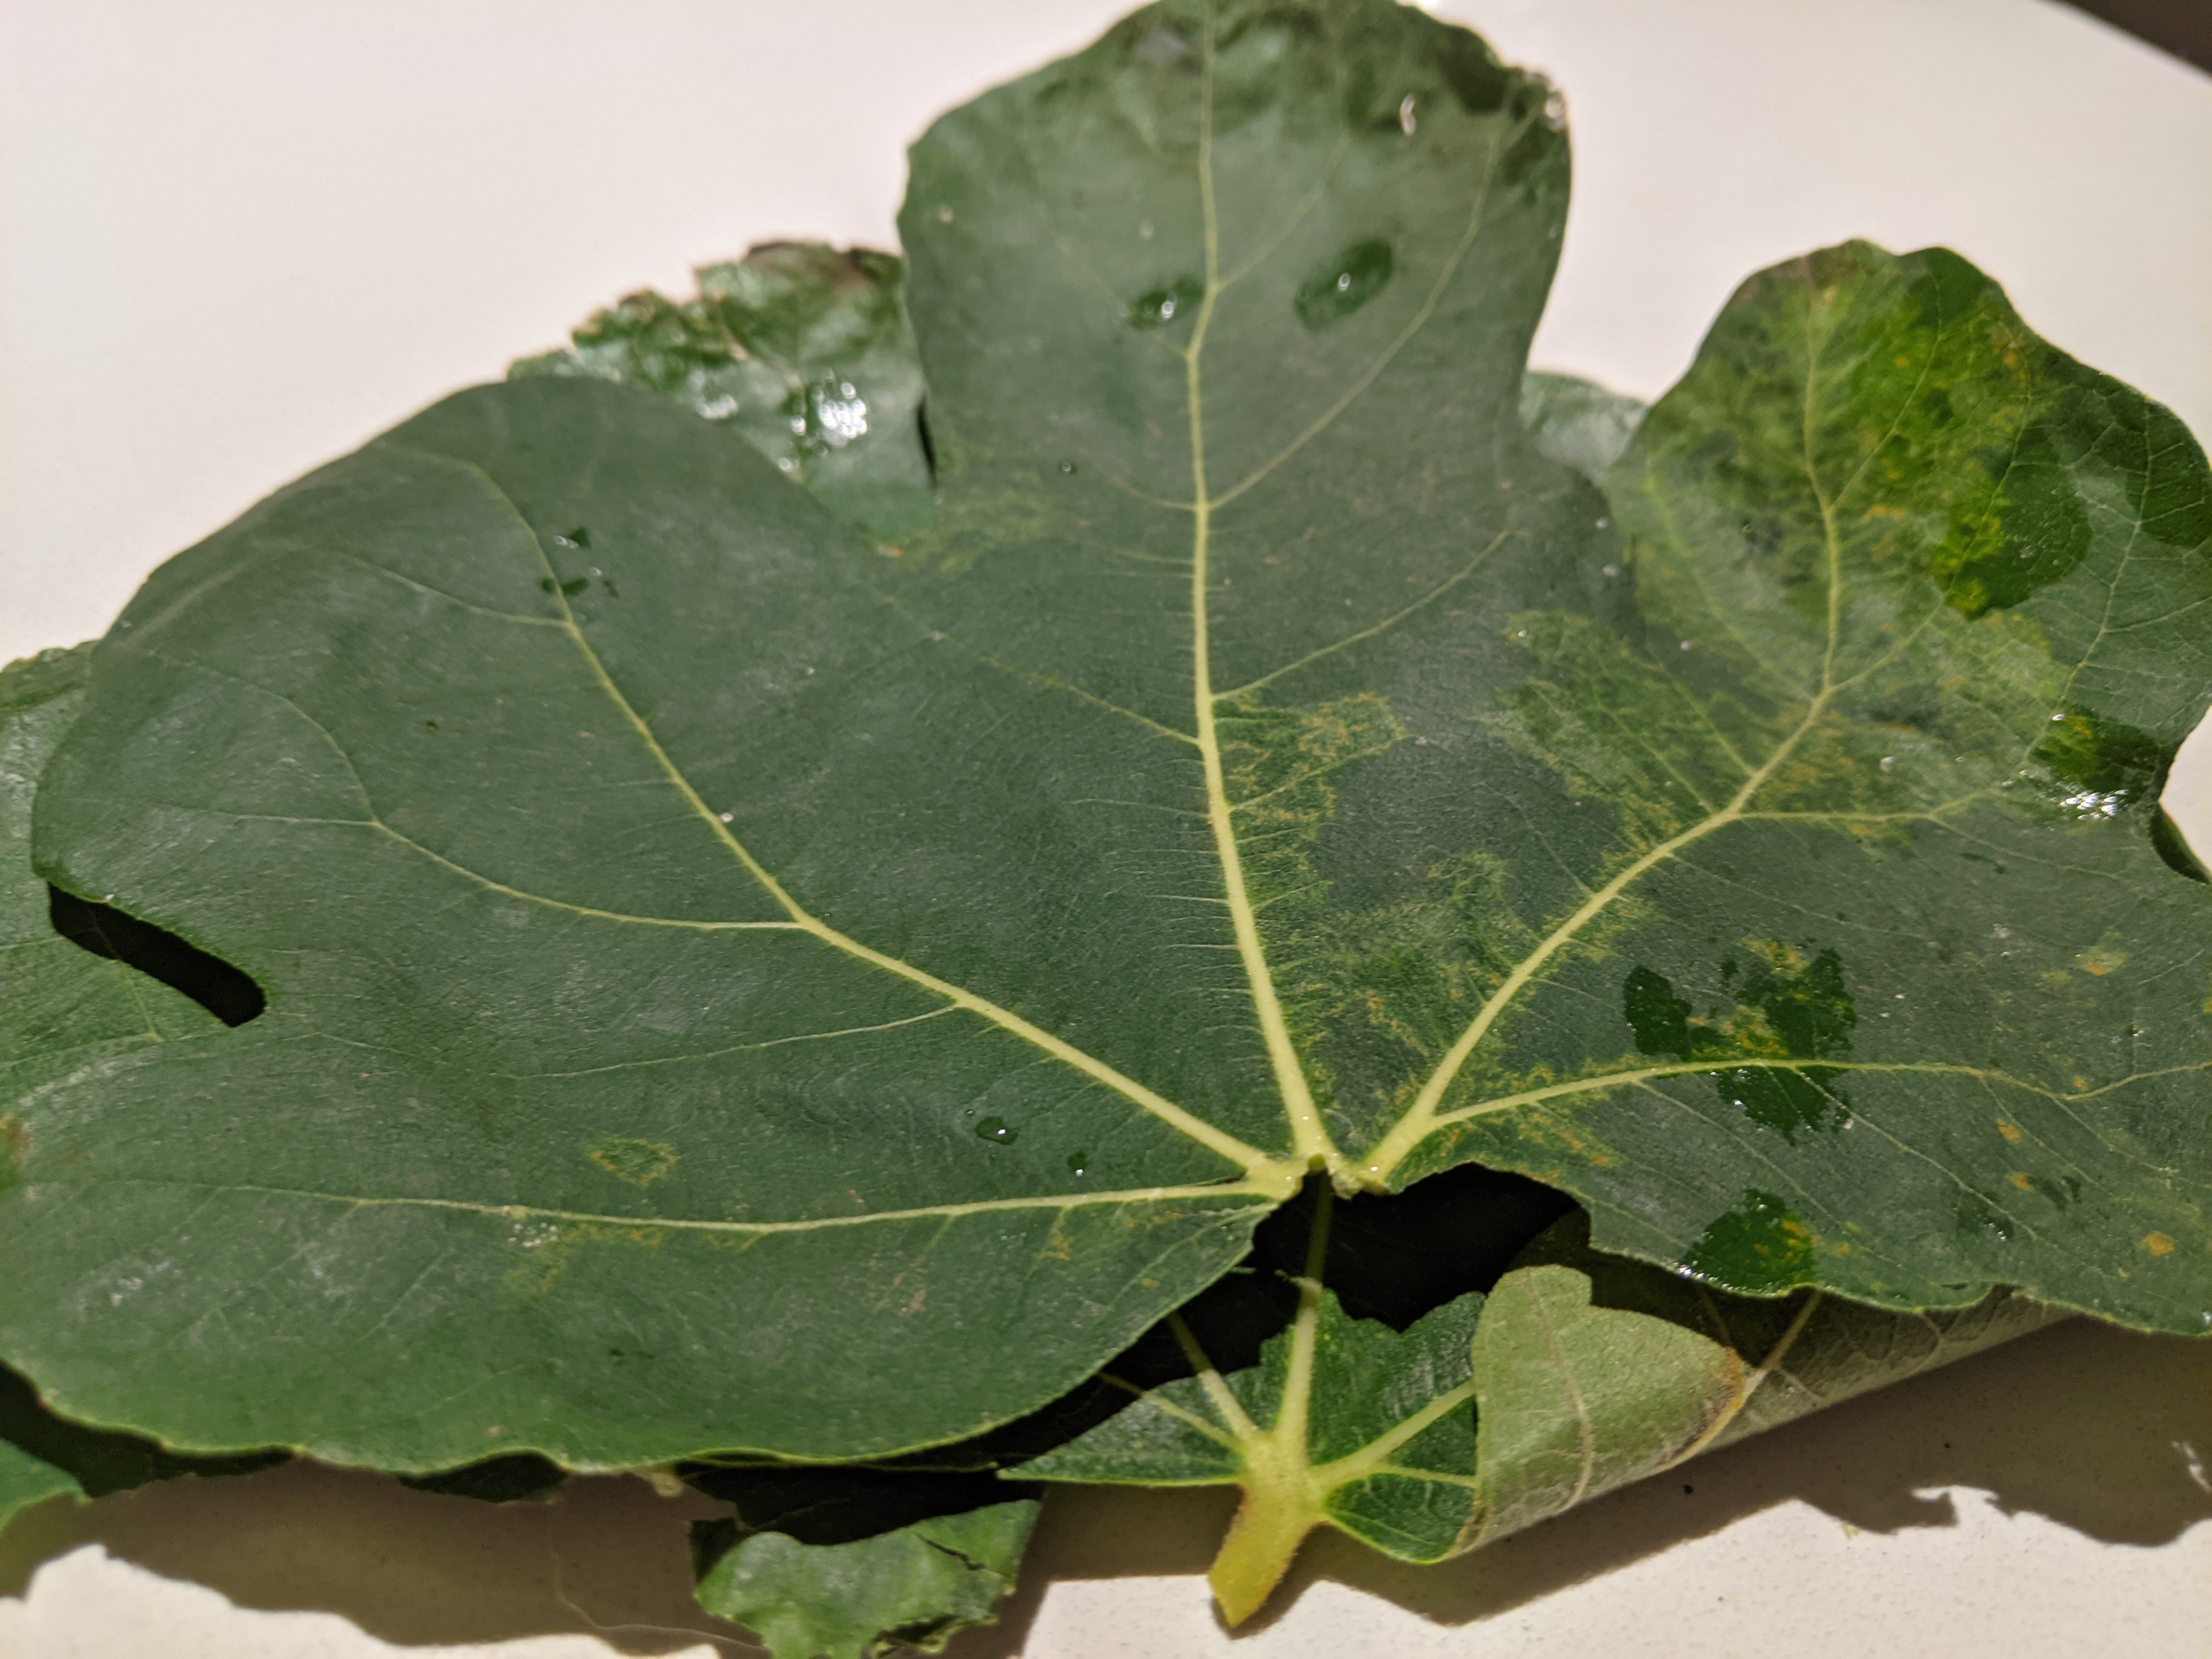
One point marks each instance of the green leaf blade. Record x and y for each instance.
(25, 1481)
(912, 1587)
(1885, 981)
(65, 1008)
(446, 736)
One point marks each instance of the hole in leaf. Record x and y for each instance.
(928, 446)
(516, 1478)
(1392, 1257)
(104, 930)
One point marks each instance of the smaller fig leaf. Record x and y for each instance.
(819, 1563)
(801, 350)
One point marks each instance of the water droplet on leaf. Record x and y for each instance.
(1162, 306)
(1345, 283)
(998, 1131)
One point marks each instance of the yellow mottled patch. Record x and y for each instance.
(1781, 957)
(2010, 1131)
(639, 1163)
(2057, 976)
(1843, 1247)
(2081, 1082)
(2101, 959)
(2158, 1244)
(1753, 1034)
(1274, 756)
(14, 1142)
(549, 1247)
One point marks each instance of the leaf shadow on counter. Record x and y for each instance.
(2097, 1429)
(608, 1556)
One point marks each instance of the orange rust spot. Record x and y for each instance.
(2019, 1180)
(2010, 1131)
(2158, 1244)
(2081, 1082)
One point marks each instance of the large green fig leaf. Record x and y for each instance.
(803, 350)
(769, 995)
(732, 987)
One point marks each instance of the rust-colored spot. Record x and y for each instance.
(639, 1163)
(2158, 1244)
(15, 1141)
(2100, 960)
(2081, 1082)
(2010, 1131)
(2019, 1180)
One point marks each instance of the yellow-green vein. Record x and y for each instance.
(1308, 1139)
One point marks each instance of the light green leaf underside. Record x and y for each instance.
(802, 350)
(1575, 1375)
(914, 1587)
(1589, 1372)
(1238, 775)
(1578, 421)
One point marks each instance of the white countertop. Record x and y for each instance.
(238, 237)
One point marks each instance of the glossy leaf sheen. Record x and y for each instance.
(800, 996)
(800, 350)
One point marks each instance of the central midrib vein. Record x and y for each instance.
(1309, 1139)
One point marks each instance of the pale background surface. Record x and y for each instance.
(238, 237)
